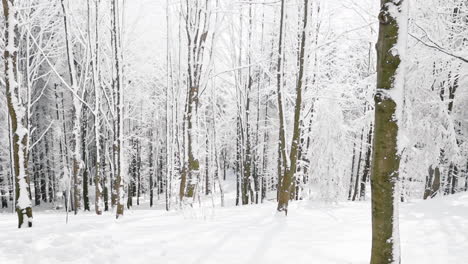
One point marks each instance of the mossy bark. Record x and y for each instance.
(383, 182)
(386, 159)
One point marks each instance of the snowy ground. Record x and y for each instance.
(434, 232)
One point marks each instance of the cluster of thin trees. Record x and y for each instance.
(276, 99)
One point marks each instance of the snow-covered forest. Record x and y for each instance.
(234, 131)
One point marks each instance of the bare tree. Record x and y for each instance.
(290, 167)
(18, 115)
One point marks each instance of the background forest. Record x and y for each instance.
(178, 105)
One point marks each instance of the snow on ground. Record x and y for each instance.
(433, 232)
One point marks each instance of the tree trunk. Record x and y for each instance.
(17, 113)
(98, 203)
(77, 162)
(84, 133)
(358, 169)
(118, 81)
(196, 28)
(350, 192)
(282, 159)
(367, 166)
(138, 192)
(386, 156)
(151, 167)
(290, 169)
(266, 137)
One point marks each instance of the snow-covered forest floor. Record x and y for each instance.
(434, 231)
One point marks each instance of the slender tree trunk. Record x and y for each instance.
(138, 193)
(12, 167)
(350, 193)
(36, 172)
(466, 178)
(98, 203)
(282, 158)
(150, 167)
(77, 162)
(247, 160)
(52, 181)
(84, 133)
(358, 179)
(266, 138)
(238, 163)
(3, 187)
(118, 80)
(207, 162)
(367, 166)
(105, 180)
(290, 169)
(197, 16)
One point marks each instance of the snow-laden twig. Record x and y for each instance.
(436, 46)
(90, 108)
(42, 136)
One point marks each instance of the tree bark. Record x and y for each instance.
(77, 162)
(386, 156)
(290, 169)
(118, 82)
(197, 20)
(17, 113)
(367, 166)
(358, 169)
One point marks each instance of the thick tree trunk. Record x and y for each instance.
(17, 113)
(386, 157)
